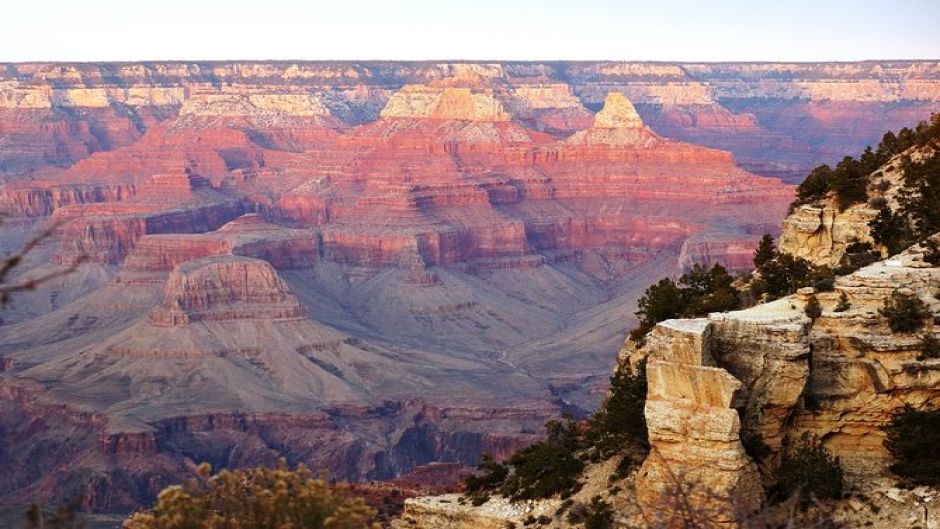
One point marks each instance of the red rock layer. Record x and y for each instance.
(445, 176)
(106, 233)
(247, 236)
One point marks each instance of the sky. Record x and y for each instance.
(650, 30)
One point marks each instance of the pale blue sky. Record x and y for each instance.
(679, 30)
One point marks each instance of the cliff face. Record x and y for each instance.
(820, 233)
(690, 416)
(841, 377)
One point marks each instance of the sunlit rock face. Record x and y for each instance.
(415, 262)
(840, 377)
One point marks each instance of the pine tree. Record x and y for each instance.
(765, 251)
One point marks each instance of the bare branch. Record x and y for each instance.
(8, 264)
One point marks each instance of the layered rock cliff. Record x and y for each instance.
(56, 114)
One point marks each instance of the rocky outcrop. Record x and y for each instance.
(691, 416)
(450, 512)
(840, 377)
(768, 351)
(618, 113)
(862, 373)
(821, 231)
(550, 107)
(106, 233)
(225, 288)
(270, 105)
(248, 236)
(617, 123)
(449, 103)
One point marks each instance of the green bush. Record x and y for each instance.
(541, 470)
(891, 230)
(808, 468)
(765, 252)
(784, 274)
(754, 445)
(920, 195)
(929, 347)
(815, 186)
(932, 252)
(553, 466)
(905, 312)
(857, 255)
(849, 180)
(843, 304)
(813, 309)
(489, 477)
(548, 467)
(661, 301)
(918, 216)
(913, 438)
(600, 514)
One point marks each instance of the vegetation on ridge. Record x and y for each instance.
(705, 290)
(779, 274)
(905, 312)
(255, 499)
(848, 181)
(698, 292)
(917, 216)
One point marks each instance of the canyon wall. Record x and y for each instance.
(777, 118)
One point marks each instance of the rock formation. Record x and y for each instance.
(221, 289)
(618, 113)
(55, 114)
(690, 416)
(821, 231)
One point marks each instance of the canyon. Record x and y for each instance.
(371, 267)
